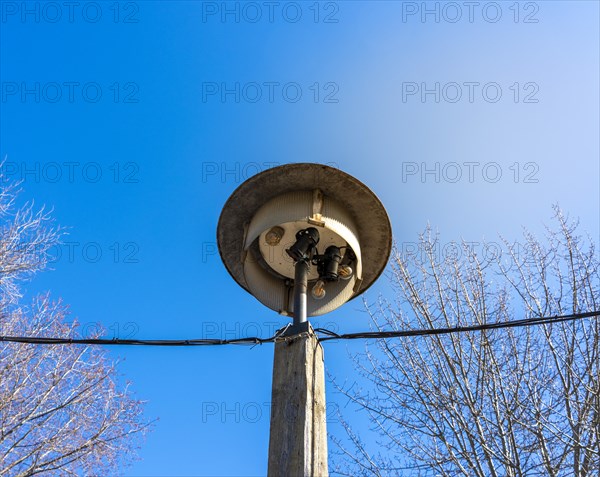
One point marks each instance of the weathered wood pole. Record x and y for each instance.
(298, 439)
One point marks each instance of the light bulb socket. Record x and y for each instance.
(328, 263)
(306, 241)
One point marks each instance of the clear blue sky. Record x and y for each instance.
(124, 118)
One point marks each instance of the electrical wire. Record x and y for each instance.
(328, 334)
(117, 341)
(458, 329)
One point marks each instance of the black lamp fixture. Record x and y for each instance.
(306, 241)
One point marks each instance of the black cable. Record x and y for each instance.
(329, 335)
(117, 341)
(458, 329)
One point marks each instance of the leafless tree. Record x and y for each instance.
(503, 402)
(63, 408)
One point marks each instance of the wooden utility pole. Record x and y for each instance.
(298, 440)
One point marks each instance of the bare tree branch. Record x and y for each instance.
(503, 402)
(62, 411)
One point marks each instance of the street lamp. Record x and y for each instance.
(282, 232)
(304, 221)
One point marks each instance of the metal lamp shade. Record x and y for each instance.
(285, 199)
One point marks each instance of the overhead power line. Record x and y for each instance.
(458, 329)
(327, 335)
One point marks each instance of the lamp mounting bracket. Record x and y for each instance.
(317, 209)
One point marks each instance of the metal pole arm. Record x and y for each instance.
(300, 296)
